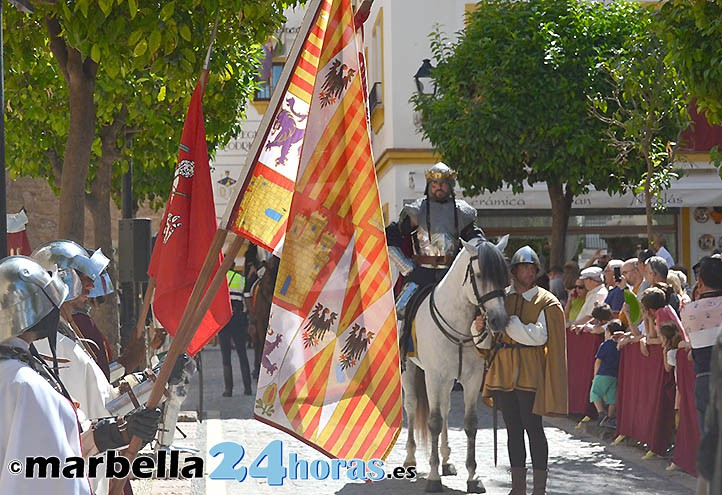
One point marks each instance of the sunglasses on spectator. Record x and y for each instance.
(579, 286)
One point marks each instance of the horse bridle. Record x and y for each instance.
(453, 335)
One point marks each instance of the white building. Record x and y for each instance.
(397, 40)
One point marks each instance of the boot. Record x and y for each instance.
(228, 381)
(518, 481)
(540, 482)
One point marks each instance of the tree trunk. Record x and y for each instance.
(561, 205)
(79, 75)
(648, 189)
(98, 203)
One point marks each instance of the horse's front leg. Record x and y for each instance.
(438, 391)
(447, 469)
(472, 384)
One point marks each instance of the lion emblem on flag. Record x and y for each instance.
(287, 131)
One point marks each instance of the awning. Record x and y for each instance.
(690, 191)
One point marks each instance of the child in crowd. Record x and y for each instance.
(606, 367)
(672, 340)
(602, 315)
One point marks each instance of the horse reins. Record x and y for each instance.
(454, 336)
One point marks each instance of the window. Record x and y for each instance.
(266, 87)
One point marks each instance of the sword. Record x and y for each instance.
(494, 422)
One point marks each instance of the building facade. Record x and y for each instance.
(397, 41)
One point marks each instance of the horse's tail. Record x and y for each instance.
(421, 419)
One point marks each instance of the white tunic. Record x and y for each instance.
(84, 380)
(35, 420)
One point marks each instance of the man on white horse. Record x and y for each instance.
(434, 224)
(527, 375)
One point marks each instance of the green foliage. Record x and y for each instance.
(512, 104)
(693, 32)
(149, 57)
(646, 108)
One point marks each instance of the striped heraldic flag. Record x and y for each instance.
(330, 371)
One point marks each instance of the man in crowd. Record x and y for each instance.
(596, 293)
(615, 294)
(527, 376)
(656, 270)
(702, 320)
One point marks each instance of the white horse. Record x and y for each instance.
(445, 351)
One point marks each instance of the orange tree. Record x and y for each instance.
(512, 105)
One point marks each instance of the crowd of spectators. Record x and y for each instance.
(644, 301)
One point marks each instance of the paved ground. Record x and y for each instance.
(579, 463)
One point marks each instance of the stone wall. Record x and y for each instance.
(42, 207)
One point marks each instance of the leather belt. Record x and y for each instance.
(433, 260)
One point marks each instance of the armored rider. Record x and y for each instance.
(434, 224)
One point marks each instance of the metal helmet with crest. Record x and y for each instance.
(525, 254)
(28, 293)
(441, 172)
(69, 256)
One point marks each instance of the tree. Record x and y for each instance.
(693, 33)
(512, 101)
(646, 110)
(85, 76)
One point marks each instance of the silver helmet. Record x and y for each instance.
(27, 294)
(442, 172)
(69, 256)
(525, 254)
(102, 286)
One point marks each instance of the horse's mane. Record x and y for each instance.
(493, 264)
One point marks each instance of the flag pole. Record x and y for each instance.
(140, 325)
(198, 303)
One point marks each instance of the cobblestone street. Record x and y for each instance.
(579, 463)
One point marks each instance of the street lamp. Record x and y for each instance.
(425, 84)
(26, 7)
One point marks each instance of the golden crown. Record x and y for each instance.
(432, 174)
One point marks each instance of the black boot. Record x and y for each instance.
(228, 381)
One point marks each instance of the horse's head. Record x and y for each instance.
(486, 279)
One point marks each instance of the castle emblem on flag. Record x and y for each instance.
(319, 322)
(287, 131)
(337, 79)
(357, 343)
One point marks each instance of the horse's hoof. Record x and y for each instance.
(434, 486)
(448, 470)
(475, 486)
(408, 464)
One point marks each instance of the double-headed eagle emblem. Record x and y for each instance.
(319, 322)
(357, 343)
(338, 77)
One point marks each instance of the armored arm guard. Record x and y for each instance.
(467, 221)
(472, 231)
(394, 239)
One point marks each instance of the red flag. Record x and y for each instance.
(189, 224)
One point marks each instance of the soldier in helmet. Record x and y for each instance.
(37, 417)
(434, 224)
(527, 374)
